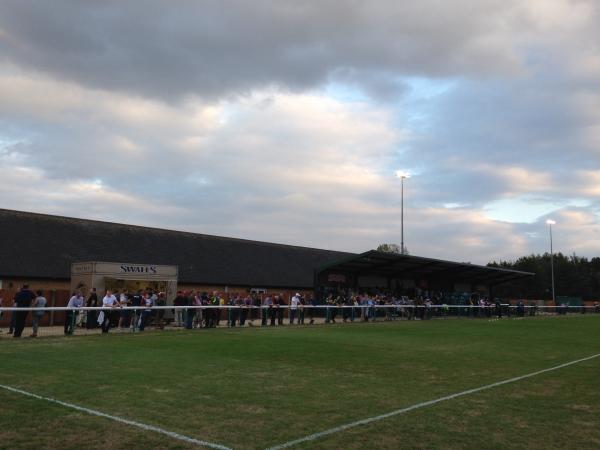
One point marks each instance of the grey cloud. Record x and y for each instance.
(214, 49)
(532, 124)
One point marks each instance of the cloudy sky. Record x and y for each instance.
(287, 121)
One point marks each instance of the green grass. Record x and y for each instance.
(255, 387)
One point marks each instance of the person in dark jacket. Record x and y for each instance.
(208, 313)
(280, 302)
(23, 299)
(270, 311)
(92, 316)
(190, 312)
(179, 314)
(136, 301)
(498, 308)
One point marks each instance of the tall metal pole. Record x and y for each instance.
(552, 265)
(402, 175)
(402, 215)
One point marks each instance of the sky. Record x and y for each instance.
(287, 121)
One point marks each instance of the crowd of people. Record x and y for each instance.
(196, 309)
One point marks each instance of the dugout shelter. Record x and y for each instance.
(375, 270)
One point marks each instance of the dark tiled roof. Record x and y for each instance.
(44, 246)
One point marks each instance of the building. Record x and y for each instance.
(40, 250)
(58, 254)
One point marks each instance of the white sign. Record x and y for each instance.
(127, 270)
(79, 268)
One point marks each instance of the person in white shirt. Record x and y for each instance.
(294, 303)
(109, 302)
(75, 302)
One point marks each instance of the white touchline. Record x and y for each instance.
(321, 434)
(143, 426)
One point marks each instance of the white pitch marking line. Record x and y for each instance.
(321, 434)
(133, 423)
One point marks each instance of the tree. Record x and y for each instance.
(389, 248)
(574, 276)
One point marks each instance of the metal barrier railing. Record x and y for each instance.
(92, 320)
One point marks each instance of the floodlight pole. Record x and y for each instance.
(402, 175)
(552, 264)
(402, 247)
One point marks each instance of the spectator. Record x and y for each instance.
(347, 310)
(239, 306)
(294, 303)
(445, 310)
(371, 310)
(280, 303)
(246, 308)
(136, 302)
(109, 302)
(337, 303)
(92, 316)
(209, 313)
(75, 302)
(498, 307)
(231, 312)
(125, 315)
(178, 303)
(312, 310)
(188, 313)
(147, 311)
(159, 299)
(532, 308)
(198, 316)
(329, 301)
(39, 302)
(23, 299)
(364, 303)
(301, 310)
(255, 310)
(521, 308)
(217, 301)
(269, 311)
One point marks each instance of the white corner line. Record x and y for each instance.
(133, 423)
(397, 412)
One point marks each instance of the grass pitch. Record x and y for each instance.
(259, 387)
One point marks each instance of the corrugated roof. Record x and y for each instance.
(45, 246)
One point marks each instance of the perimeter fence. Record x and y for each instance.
(56, 321)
